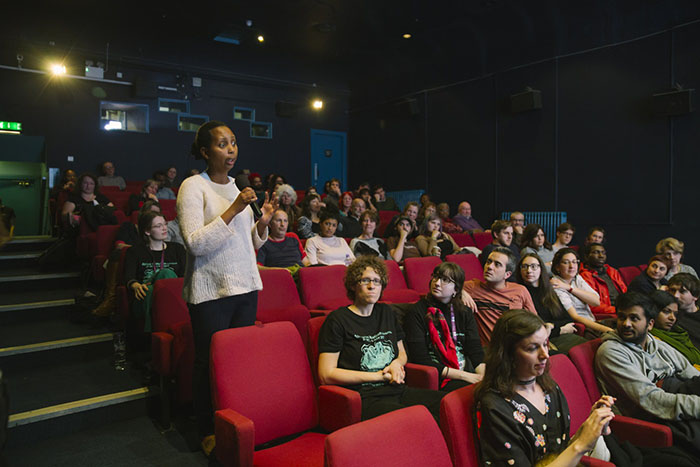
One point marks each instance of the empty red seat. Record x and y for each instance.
(418, 272)
(323, 287)
(471, 265)
(628, 273)
(463, 239)
(385, 218)
(482, 239)
(396, 290)
(279, 301)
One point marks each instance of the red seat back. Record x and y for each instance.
(279, 300)
(471, 265)
(120, 199)
(583, 356)
(106, 234)
(569, 380)
(262, 372)
(463, 239)
(418, 271)
(456, 410)
(628, 273)
(482, 239)
(415, 441)
(168, 305)
(385, 218)
(322, 287)
(396, 279)
(314, 330)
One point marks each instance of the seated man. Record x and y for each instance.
(495, 296)
(350, 226)
(108, 178)
(603, 278)
(517, 220)
(596, 234)
(282, 249)
(686, 289)
(164, 191)
(448, 225)
(410, 210)
(502, 233)
(464, 218)
(650, 379)
(381, 201)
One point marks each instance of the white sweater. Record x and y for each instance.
(220, 256)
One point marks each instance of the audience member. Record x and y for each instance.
(192, 172)
(464, 218)
(333, 193)
(345, 203)
(517, 220)
(432, 241)
(366, 243)
(604, 279)
(425, 211)
(327, 249)
(361, 346)
(534, 241)
(360, 187)
(85, 194)
(672, 250)
(310, 191)
(596, 234)
(108, 178)
(66, 185)
(350, 226)
(287, 200)
(282, 249)
(441, 331)
(563, 331)
(164, 192)
(381, 201)
(171, 173)
(366, 196)
(565, 233)
(174, 232)
(448, 225)
(308, 222)
(494, 295)
(410, 210)
(686, 289)
(574, 293)
(667, 329)
(651, 380)
(403, 245)
(652, 277)
(502, 233)
(425, 199)
(148, 191)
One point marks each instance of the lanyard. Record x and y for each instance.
(453, 328)
(162, 260)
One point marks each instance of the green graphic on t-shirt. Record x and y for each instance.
(148, 272)
(377, 356)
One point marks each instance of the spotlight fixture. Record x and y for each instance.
(261, 39)
(406, 36)
(58, 69)
(317, 104)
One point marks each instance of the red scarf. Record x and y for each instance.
(447, 350)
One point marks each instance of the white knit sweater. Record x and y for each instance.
(220, 257)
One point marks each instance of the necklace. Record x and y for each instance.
(527, 383)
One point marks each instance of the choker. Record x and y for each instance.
(528, 382)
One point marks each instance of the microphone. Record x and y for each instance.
(243, 182)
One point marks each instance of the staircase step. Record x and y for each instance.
(57, 344)
(35, 336)
(38, 276)
(29, 243)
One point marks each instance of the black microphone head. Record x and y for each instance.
(242, 181)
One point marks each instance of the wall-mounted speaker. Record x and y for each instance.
(530, 99)
(677, 102)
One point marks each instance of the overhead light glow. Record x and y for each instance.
(58, 69)
(261, 38)
(113, 125)
(317, 104)
(407, 36)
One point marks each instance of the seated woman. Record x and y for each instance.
(327, 249)
(652, 277)
(534, 241)
(282, 249)
(666, 329)
(410, 210)
(287, 201)
(563, 332)
(425, 211)
(565, 233)
(432, 241)
(152, 260)
(308, 222)
(672, 251)
(361, 346)
(441, 331)
(367, 243)
(345, 203)
(517, 388)
(403, 246)
(84, 195)
(148, 192)
(574, 293)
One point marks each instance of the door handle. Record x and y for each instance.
(315, 172)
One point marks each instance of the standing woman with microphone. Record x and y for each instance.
(221, 235)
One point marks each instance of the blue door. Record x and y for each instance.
(328, 157)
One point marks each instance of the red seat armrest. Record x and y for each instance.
(235, 438)
(421, 376)
(161, 347)
(641, 433)
(580, 329)
(316, 313)
(338, 407)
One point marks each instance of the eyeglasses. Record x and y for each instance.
(532, 266)
(444, 279)
(573, 262)
(367, 281)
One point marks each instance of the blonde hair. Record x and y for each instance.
(670, 243)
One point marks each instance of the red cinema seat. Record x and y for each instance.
(107, 190)
(120, 200)
(134, 186)
(172, 343)
(279, 301)
(385, 218)
(418, 272)
(471, 265)
(482, 239)
(323, 287)
(463, 239)
(106, 234)
(396, 290)
(638, 432)
(262, 390)
(628, 273)
(415, 441)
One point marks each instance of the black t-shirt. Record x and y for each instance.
(80, 203)
(366, 343)
(141, 263)
(691, 323)
(643, 284)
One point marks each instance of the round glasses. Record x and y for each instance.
(532, 266)
(367, 281)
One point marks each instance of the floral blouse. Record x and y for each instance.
(515, 432)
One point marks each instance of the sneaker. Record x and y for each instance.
(208, 444)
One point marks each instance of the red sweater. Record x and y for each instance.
(600, 286)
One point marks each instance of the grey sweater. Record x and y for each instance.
(630, 373)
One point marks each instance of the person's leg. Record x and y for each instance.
(430, 399)
(379, 404)
(244, 308)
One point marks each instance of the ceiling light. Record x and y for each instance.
(317, 104)
(261, 39)
(406, 36)
(58, 69)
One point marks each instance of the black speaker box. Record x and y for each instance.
(673, 102)
(526, 101)
(286, 109)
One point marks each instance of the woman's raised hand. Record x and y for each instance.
(268, 208)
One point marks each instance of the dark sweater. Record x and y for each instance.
(546, 314)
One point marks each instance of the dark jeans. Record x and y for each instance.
(207, 318)
(385, 399)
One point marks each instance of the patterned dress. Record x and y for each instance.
(515, 432)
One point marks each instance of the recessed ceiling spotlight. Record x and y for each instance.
(249, 22)
(317, 104)
(261, 39)
(406, 36)
(58, 69)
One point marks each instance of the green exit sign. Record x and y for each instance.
(10, 126)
